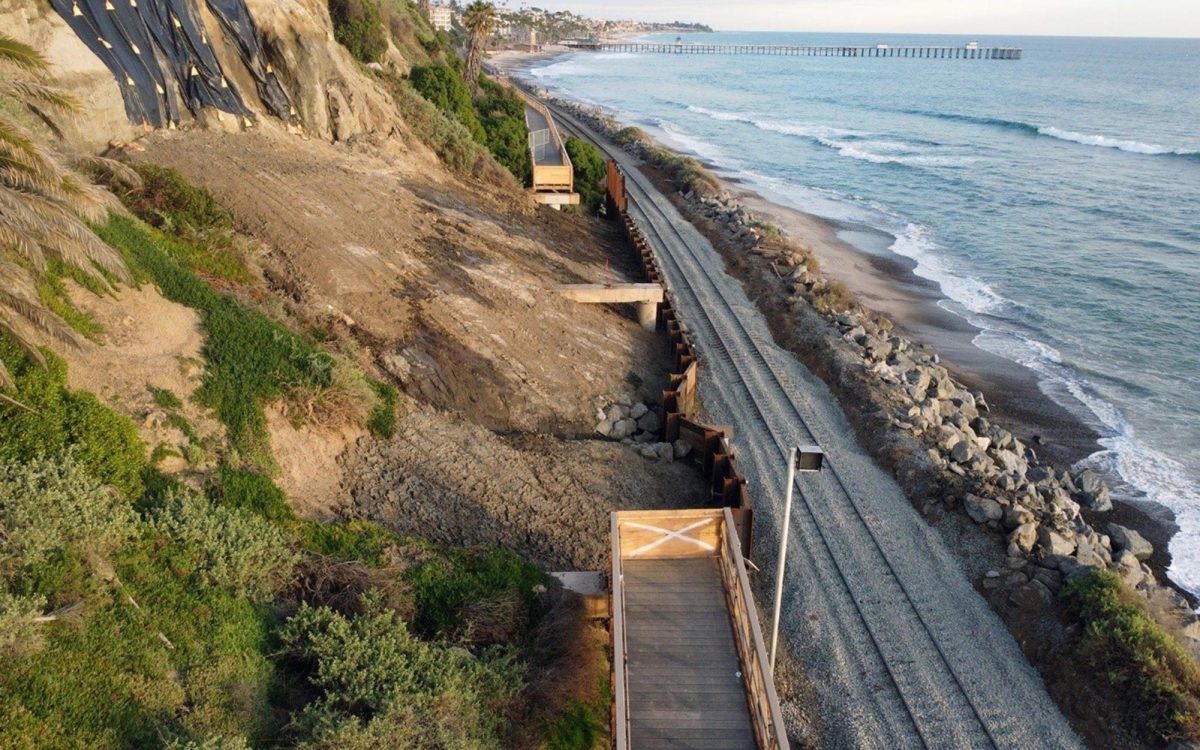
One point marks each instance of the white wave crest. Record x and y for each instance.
(1104, 141)
(855, 144)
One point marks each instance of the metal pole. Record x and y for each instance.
(783, 543)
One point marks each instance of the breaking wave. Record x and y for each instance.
(1086, 139)
(855, 144)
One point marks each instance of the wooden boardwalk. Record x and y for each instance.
(689, 666)
(685, 683)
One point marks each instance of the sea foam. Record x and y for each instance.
(855, 144)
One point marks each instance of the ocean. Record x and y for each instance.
(1054, 200)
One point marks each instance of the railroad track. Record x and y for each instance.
(897, 633)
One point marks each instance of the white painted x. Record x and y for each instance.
(668, 535)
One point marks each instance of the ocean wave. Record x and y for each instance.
(855, 144)
(1104, 141)
(1085, 139)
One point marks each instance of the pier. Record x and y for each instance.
(965, 52)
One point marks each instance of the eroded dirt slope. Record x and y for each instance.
(445, 288)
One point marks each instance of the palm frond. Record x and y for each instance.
(43, 206)
(32, 93)
(111, 169)
(21, 55)
(18, 295)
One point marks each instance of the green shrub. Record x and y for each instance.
(379, 685)
(1158, 683)
(251, 491)
(577, 728)
(358, 26)
(590, 172)
(447, 588)
(251, 359)
(502, 114)
(172, 205)
(208, 743)
(631, 135)
(363, 541)
(228, 547)
(48, 505)
(164, 398)
(445, 135)
(104, 442)
(445, 89)
(20, 633)
(189, 659)
(382, 422)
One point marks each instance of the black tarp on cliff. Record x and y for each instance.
(159, 50)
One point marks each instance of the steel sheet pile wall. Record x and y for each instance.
(161, 56)
(710, 444)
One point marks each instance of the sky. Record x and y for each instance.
(1170, 18)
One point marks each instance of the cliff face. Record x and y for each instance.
(331, 97)
(80, 72)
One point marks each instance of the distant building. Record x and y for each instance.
(442, 17)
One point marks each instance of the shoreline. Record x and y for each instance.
(885, 282)
(859, 257)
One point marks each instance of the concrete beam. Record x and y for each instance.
(645, 296)
(557, 200)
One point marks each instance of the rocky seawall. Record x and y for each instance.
(933, 432)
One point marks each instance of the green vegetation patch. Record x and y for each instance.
(251, 491)
(104, 442)
(382, 420)
(379, 685)
(1158, 683)
(502, 114)
(495, 119)
(590, 172)
(169, 203)
(445, 135)
(578, 727)
(227, 546)
(445, 88)
(164, 398)
(363, 541)
(251, 359)
(479, 595)
(358, 26)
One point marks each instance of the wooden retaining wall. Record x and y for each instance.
(710, 443)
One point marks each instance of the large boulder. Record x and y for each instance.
(982, 509)
(1052, 542)
(1024, 536)
(649, 422)
(1127, 539)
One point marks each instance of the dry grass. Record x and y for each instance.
(347, 400)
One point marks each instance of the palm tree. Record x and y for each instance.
(479, 19)
(425, 9)
(43, 204)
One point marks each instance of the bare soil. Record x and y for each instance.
(445, 288)
(147, 341)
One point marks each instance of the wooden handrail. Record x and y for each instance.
(760, 683)
(620, 728)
